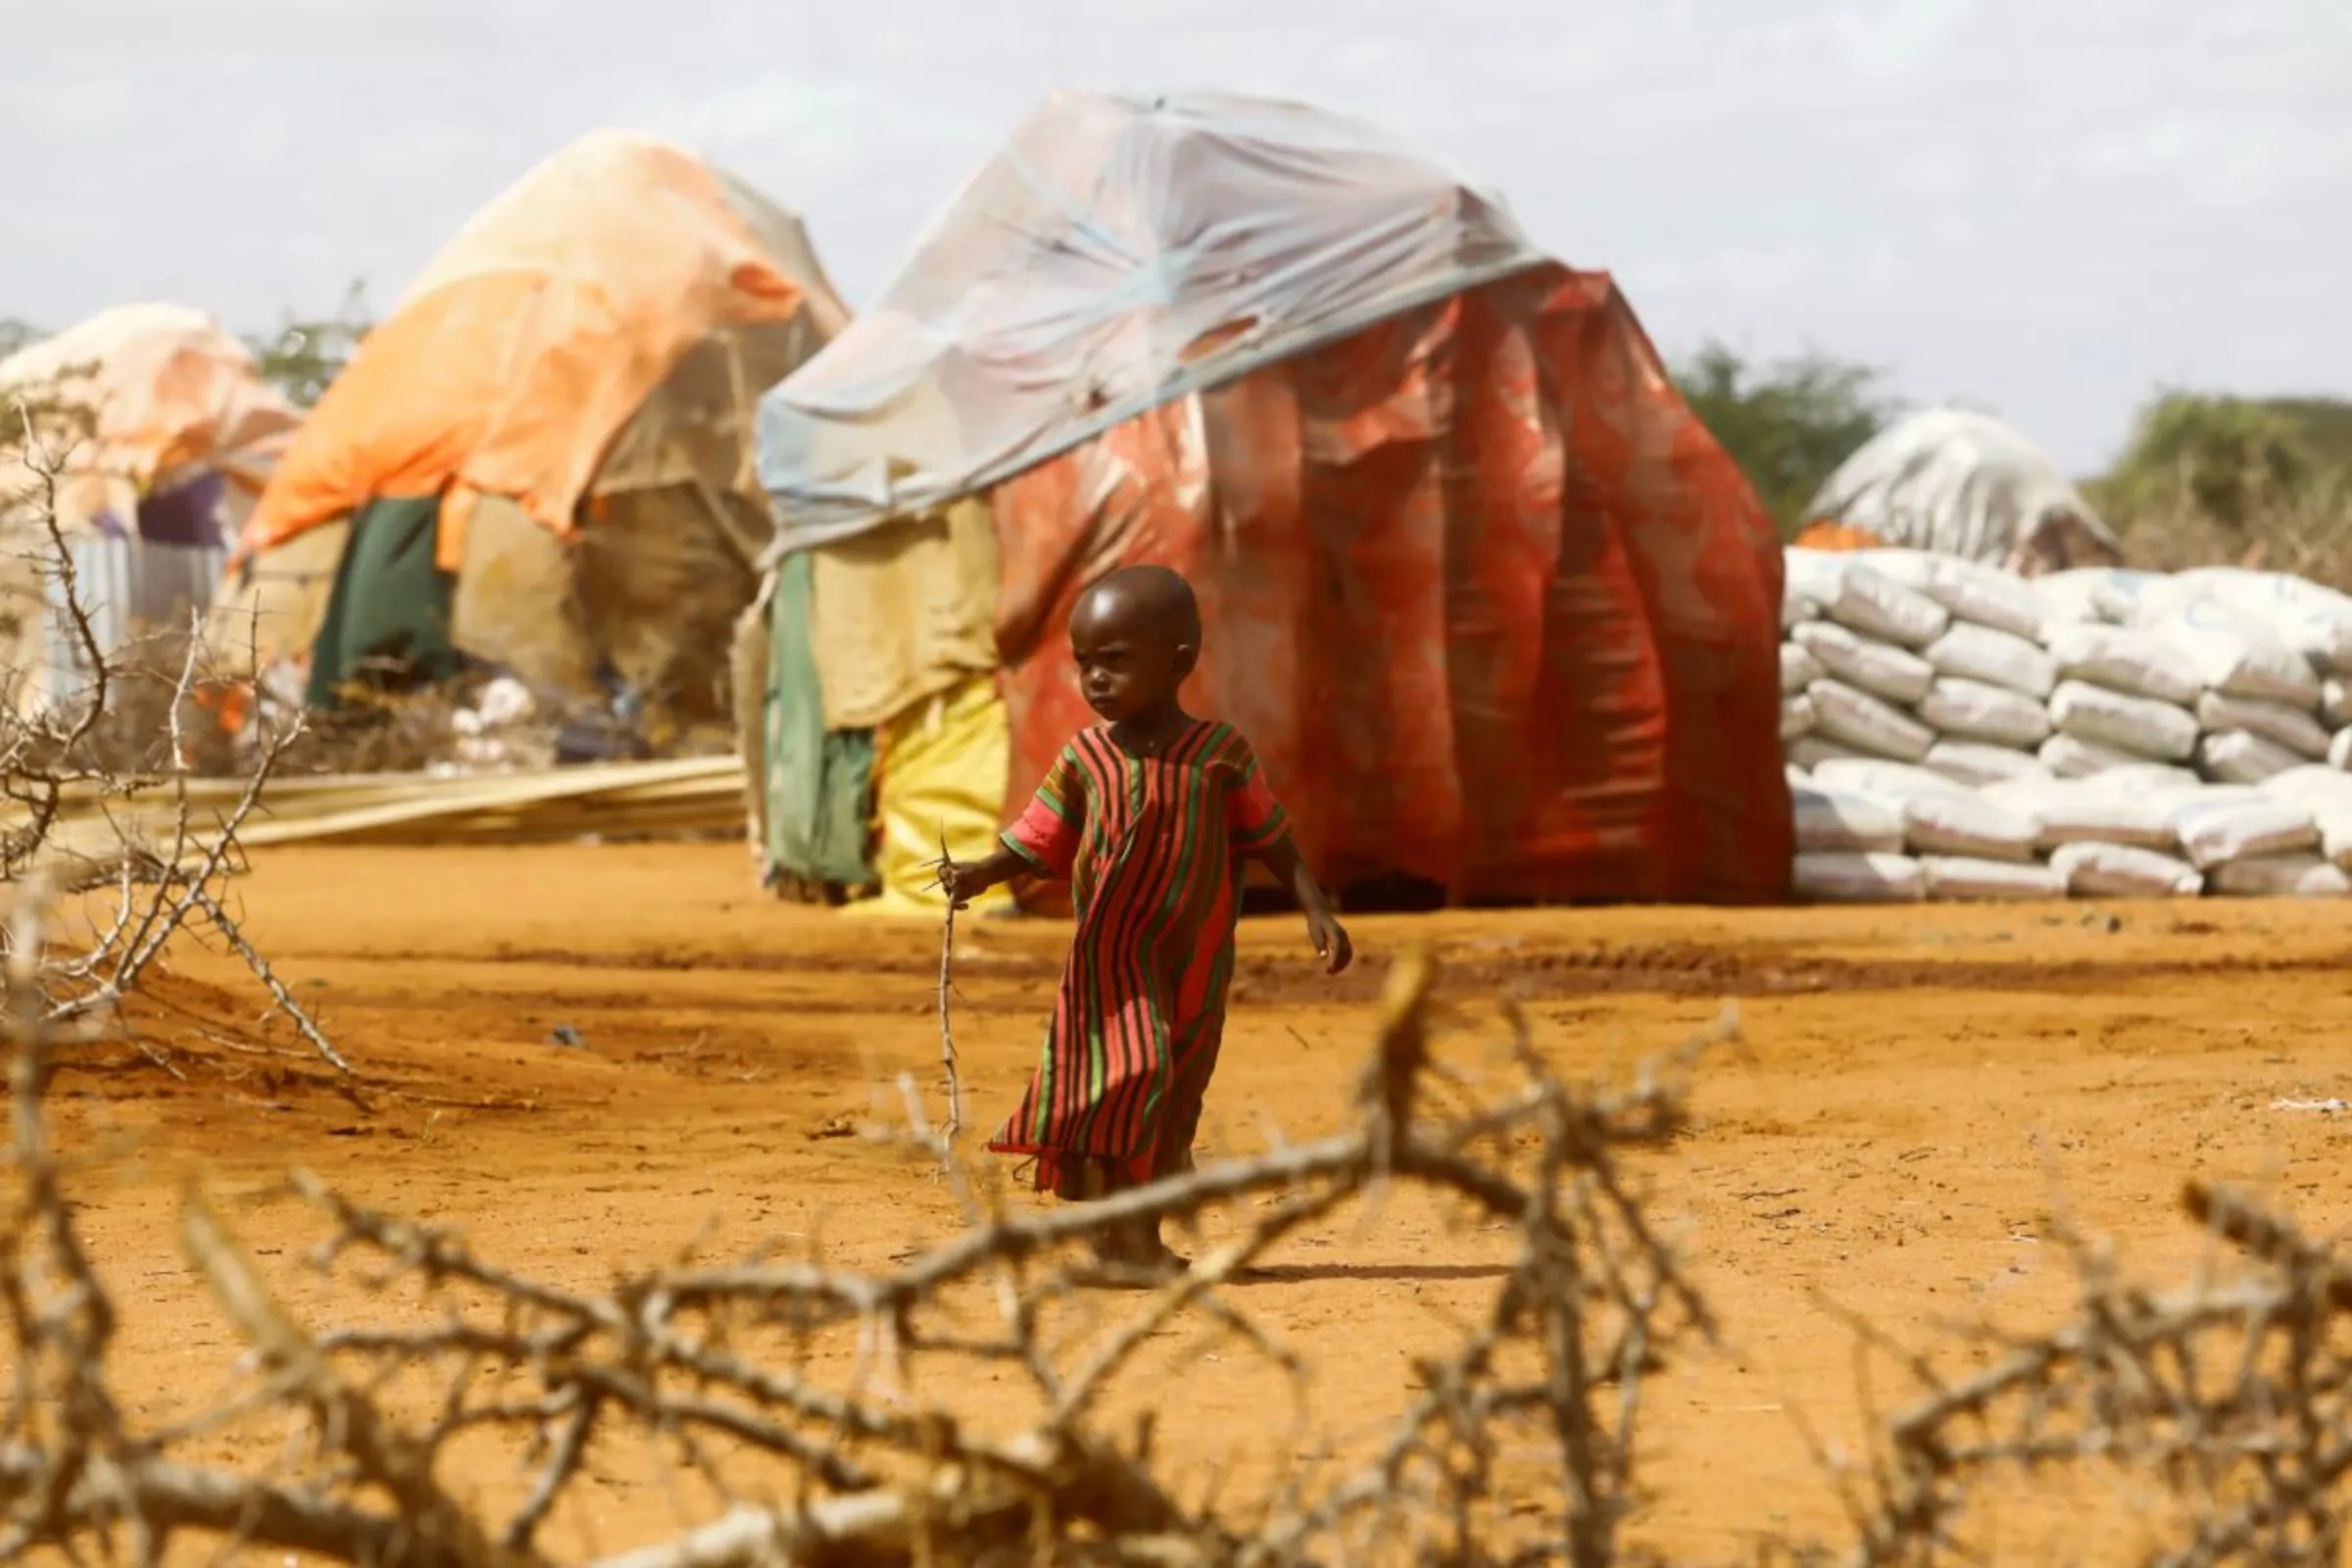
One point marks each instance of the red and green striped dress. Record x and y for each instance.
(1153, 849)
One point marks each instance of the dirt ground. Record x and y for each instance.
(1920, 1090)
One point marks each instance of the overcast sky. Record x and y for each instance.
(2046, 207)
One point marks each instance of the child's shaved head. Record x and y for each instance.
(1135, 635)
(1145, 597)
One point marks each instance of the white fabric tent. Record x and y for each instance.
(1117, 254)
(1962, 483)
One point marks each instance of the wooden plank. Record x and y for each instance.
(680, 795)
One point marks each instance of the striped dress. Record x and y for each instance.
(1153, 849)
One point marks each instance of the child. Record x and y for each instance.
(1151, 817)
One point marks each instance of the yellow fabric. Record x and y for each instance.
(513, 602)
(133, 394)
(941, 765)
(526, 344)
(274, 612)
(904, 613)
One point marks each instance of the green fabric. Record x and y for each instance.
(818, 780)
(387, 617)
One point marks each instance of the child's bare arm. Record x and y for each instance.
(1323, 927)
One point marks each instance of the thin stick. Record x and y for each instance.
(304, 1024)
(947, 1031)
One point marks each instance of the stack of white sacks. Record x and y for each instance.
(1956, 732)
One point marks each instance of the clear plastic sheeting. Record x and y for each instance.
(1117, 254)
(1968, 485)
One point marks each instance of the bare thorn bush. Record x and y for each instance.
(707, 1376)
(95, 803)
(2221, 1409)
(435, 1408)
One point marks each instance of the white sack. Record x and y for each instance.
(2069, 598)
(2327, 795)
(1940, 817)
(2157, 778)
(2216, 827)
(2140, 726)
(1878, 607)
(1985, 595)
(2070, 756)
(1953, 877)
(1995, 658)
(2281, 876)
(1974, 711)
(1828, 820)
(1915, 569)
(2339, 751)
(2236, 756)
(1843, 876)
(2088, 811)
(2335, 702)
(2091, 593)
(2124, 871)
(2308, 618)
(1877, 775)
(2123, 592)
(1797, 718)
(1975, 763)
(1795, 609)
(1799, 668)
(1810, 751)
(2124, 658)
(1812, 576)
(1878, 667)
(1862, 721)
(2291, 727)
(2233, 653)
(1798, 777)
(2310, 784)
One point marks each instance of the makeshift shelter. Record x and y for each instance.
(543, 458)
(153, 434)
(1961, 483)
(1495, 609)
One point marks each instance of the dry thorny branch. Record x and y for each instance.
(2230, 1396)
(114, 755)
(776, 1401)
(781, 1452)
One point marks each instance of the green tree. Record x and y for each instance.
(303, 356)
(1788, 425)
(2227, 459)
(16, 333)
(2263, 482)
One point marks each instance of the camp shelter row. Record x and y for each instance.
(541, 458)
(1495, 610)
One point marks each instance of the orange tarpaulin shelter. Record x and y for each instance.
(580, 358)
(1495, 610)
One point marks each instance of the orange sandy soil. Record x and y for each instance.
(1918, 1089)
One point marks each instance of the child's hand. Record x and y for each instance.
(1330, 942)
(965, 880)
